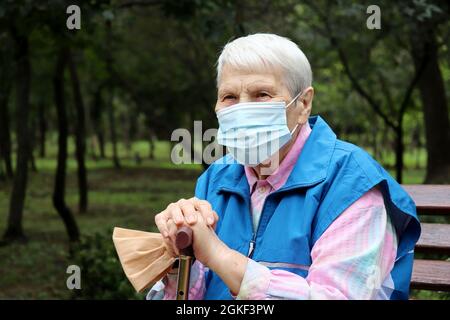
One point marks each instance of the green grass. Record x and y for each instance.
(129, 197)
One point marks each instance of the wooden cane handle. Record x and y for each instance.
(183, 240)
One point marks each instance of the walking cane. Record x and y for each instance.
(183, 242)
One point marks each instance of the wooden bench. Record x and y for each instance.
(431, 274)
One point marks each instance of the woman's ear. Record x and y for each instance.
(305, 101)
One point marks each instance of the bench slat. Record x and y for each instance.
(435, 237)
(430, 199)
(431, 275)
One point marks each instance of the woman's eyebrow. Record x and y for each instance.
(260, 85)
(226, 89)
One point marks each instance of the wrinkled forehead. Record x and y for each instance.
(232, 76)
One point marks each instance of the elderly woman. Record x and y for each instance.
(291, 212)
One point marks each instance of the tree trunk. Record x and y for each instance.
(42, 129)
(33, 166)
(32, 142)
(96, 117)
(60, 177)
(112, 130)
(125, 121)
(14, 231)
(5, 136)
(435, 109)
(151, 143)
(399, 150)
(110, 106)
(101, 143)
(80, 136)
(2, 172)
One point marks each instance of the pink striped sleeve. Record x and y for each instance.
(351, 260)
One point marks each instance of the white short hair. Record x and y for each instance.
(268, 52)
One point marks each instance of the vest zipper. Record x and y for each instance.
(252, 246)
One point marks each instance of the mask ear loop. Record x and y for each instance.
(295, 98)
(289, 104)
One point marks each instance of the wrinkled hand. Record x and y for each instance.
(208, 248)
(229, 264)
(184, 212)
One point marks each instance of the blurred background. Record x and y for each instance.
(86, 115)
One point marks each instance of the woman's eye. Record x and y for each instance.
(263, 95)
(228, 97)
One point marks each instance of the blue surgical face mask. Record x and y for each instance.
(254, 131)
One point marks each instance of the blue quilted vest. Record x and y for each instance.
(328, 177)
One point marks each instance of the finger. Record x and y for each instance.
(161, 223)
(176, 214)
(207, 212)
(172, 227)
(189, 211)
(216, 218)
(173, 235)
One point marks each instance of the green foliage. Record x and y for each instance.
(101, 273)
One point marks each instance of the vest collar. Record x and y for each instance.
(311, 166)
